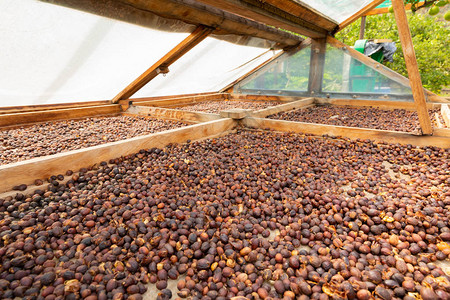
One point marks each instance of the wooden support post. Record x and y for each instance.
(308, 22)
(411, 66)
(199, 34)
(316, 66)
(362, 28)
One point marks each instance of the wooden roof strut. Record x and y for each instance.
(161, 66)
(412, 67)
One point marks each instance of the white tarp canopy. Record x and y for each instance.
(53, 54)
(337, 10)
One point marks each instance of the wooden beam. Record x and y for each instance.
(199, 34)
(169, 101)
(246, 97)
(43, 107)
(266, 13)
(411, 66)
(307, 13)
(381, 68)
(16, 119)
(192, 12)
(262, 113)
(359, 14)
(316, 66)
(181, 16)
(348, 132)
(172, 114)
(362, 28)
(385, 10)
(26, 172)
(369, 62)
(441, 132)
(301, 46)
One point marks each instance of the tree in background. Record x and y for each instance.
(431, 40)
(433, 4)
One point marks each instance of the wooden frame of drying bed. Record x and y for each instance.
(208, 125)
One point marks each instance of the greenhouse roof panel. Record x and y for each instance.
(338, 10)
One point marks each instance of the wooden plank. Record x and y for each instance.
(304, 44)
(161, 66)
(441, 132)
(181, 16)
(385, 10)
(176, 100)
(316, 66)
(359, 14)
(235, 113)
(57, 114)
(362, 28)
(411, 66)
(195, 96)
(247, 97)
(381, 68)
(445, 112)
(307, 13)
(192, 12)
(375, 103)
(369, 62)
(266, 13)
(348, 132)
(26, 172)
(262, 113)
(432, 97)
(43, 107)
(172, 114)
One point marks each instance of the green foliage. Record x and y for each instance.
(431, 43)
(419, 4)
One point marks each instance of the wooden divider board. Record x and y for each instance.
(16, 119)
(349, 132)
(186, 98)
(26, 172)
(441, 132)
(262, 113)
(172, 114)
(247, 97)
(43, 107)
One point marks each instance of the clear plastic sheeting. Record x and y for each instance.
(287, 73)
(208, 67)
(344, 74)
(53, 54)
(337, 10)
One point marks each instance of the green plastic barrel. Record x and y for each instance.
(362, 78)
